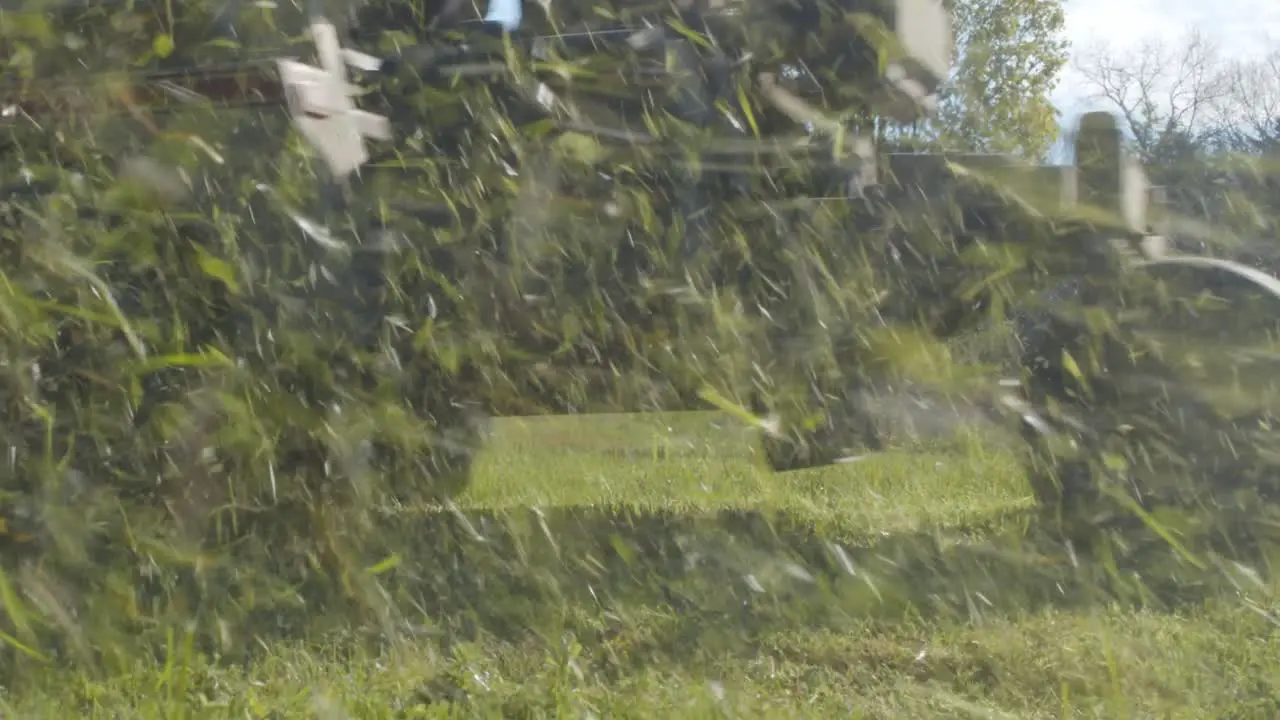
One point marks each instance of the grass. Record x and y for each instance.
(647, 566)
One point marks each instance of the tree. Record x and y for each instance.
(1207, 129)
(1250, 121)
(1009, 55)
(1251, 114)
(1169, 96)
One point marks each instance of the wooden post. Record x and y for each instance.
(1110, 179)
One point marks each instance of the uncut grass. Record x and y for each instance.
(636, 566)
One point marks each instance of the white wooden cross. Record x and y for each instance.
(322, 104)
(321, 100)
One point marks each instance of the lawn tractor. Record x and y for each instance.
(292, 244)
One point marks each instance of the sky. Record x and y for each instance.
(1237, 27)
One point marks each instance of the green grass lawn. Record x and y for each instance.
(648, 567)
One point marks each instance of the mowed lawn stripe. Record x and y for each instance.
(692, 461)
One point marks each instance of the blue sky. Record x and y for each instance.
(1238, 28)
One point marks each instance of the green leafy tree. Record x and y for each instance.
(1009, 55)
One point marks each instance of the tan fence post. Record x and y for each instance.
(1110, 179)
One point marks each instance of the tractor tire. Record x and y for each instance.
(843, 431)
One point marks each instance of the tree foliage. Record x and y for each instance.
(1009, 56)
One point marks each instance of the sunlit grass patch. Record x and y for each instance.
(707, 461)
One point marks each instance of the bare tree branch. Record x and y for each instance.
(1252, 111)
(1165, 93)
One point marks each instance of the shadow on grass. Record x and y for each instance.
(672, 586)
(633, 586)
